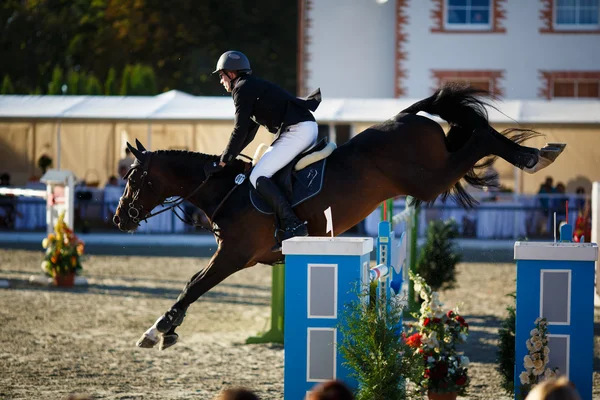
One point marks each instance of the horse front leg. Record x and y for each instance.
(223, 264)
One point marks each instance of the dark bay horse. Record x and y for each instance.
(408, 154)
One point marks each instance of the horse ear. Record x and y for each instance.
(139, 145)
(136, 153)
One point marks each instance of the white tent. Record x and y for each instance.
(87, 134)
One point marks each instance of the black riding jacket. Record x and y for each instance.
(259, 102)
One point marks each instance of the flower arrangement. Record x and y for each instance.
(434, 343)
(373, 348)
(63, 250)
(537, 359)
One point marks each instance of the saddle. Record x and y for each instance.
(300, 179)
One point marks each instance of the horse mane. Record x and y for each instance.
(187, 160)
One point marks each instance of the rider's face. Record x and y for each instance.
(225, 79)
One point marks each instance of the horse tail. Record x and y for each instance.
(464, 110)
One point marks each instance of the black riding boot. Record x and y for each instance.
(290, 224)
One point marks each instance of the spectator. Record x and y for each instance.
(122, 171)
(554, 389)
(331, 390)
(545, 189)
(237, 394)
(5, 179)
(580, 200)
(112, 181)
(125, 162)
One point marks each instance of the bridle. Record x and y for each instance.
(135, 210)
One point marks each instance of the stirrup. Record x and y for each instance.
(297, 230)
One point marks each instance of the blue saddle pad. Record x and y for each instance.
(306, 183)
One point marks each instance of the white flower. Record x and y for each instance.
(534, 332)
(535, 356)
(529, 345)
(537, 346)
(543, 323)
(548, 374)
(538, 372)
(546, 350)
(527, 362)
(430, 360)
(464, 361)
(538, 364)
(450, 370)
(537, 320)
(430, 340)
(417, 286)
(524, 378)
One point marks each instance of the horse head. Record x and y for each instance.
(145, 189)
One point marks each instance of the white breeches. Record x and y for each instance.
(290, 143)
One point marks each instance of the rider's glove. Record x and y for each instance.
(211, 168)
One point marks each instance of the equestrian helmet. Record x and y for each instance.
(233, 61)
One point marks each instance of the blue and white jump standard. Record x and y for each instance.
(321, 274)
(555, 280)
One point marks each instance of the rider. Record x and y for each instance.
(259, 102)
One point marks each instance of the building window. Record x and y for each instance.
(487, 80)
(570, 16)
(468, 16)
(577, 14)
(570, 84)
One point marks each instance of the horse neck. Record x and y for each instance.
(183, 180)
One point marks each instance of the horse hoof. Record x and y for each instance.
(168, 341)
(547, 156)
(146, 342)
(552, 150)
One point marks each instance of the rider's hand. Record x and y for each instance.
(212, 167)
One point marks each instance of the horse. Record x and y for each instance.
(408, 154)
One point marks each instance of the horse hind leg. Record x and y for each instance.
(507, 146)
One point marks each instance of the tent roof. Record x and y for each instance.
(176, 105)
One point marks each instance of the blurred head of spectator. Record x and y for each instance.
(580, 190)
(5, 179)
(331, 390)
(123, 170)
(560, 187)
(113, 181)
(554, 389)
(237, 394)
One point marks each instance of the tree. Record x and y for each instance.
(110, 86)
(93, 86)
(126, 88)
(7, 86)
(438, 257)
(73, 83)
(55, 86)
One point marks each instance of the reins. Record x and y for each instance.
(176, 203)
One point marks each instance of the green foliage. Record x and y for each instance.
(374, 348)
(505, 355)
(93, 86)
(7, 86)
(55, 86)
(74, 82)
(143, 81)
(180, 39)
(438, 258)
(126, 88)
(110, 86)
